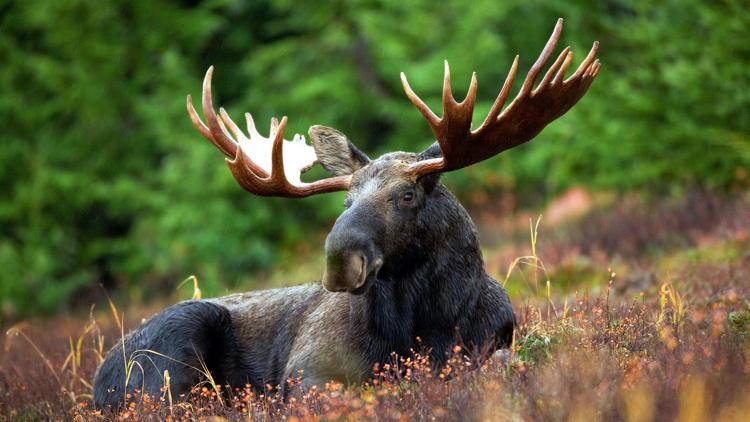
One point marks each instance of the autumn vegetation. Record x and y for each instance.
(661, 333)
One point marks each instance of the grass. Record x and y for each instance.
(673, 345)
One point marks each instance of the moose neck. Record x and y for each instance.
(426, 289)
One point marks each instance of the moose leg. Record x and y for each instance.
(184, 339)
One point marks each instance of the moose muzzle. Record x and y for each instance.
(352, 259)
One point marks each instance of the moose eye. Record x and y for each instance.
(407, 196)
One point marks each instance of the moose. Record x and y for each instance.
(403, 266)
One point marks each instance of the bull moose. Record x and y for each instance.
(402, 261)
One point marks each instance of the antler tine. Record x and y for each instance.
(543, 57)
(585, 63)
(197, 122)
(471, 94)
(564, 68)
(229, 123)
(552, 71)
(251, 129)
(497, 106)
(428, 114)
(219, 135)
(277, 154)
(597, 65)
(448, 99)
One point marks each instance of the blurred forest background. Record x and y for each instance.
(103, 180)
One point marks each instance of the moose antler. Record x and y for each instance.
(521, 121)
(276, 164)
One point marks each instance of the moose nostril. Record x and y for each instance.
(344, 271)
(355, 269)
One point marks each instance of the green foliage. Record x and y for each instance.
(535, 347)
(103, 180)
(739, 322)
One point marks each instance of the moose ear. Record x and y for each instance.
(336, 153)
(431, 180)
(433, 151)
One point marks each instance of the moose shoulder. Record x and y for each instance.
(402, 261)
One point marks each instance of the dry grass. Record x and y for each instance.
(677, 347)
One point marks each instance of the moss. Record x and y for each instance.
(714, 253)
(739, 323)
(536, 347)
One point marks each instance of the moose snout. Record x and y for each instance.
(352, 259)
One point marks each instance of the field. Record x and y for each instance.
(628, 309)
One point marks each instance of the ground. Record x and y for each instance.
(628, 309)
